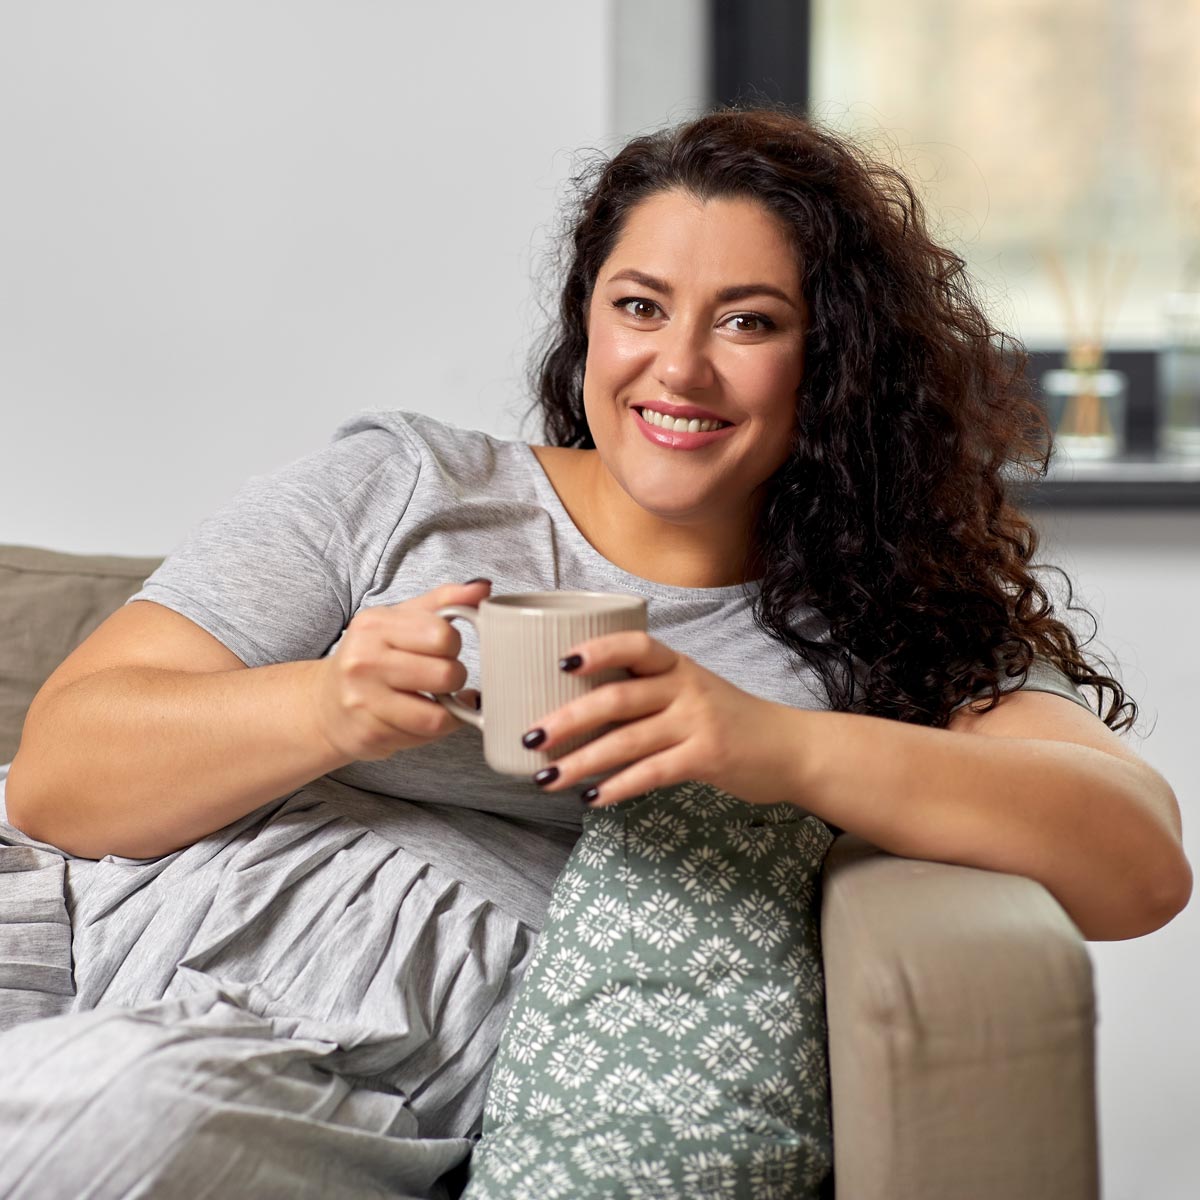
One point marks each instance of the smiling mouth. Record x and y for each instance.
(677, 424)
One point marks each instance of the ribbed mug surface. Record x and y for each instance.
(521, 639)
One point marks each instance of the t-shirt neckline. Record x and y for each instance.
(628, 581)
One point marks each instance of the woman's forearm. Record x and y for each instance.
(139, 761)
(1097, 831)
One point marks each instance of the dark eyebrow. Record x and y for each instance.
(740, 291)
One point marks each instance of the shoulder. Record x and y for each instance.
(423, 439)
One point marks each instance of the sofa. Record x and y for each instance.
(960, 1002)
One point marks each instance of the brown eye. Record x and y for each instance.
(760, 323)
(635, 306)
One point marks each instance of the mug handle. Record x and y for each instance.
(448, 700)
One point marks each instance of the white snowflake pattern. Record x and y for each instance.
(548, 1179)
(601, 844)
(504, 1090)
(774, 1172)
(718, 965)
(601, 924)
(664, 921)
(656, 835)
(710, 1173)
(778, 1098)
(814, 841)
(790, 877)
(567, 893)
(543, 1104)
(753, 840)
(575, 1060)
(760, 920)
(601, 1154)
(685, 1092)
(626, 1089)
(615, 1008)
(676, 1011)
(706, 874)
(650, 1179)
(773, 1008)
(703, 799)
(810, 1062)
(565, 975)
(803, 965)
(645, 1052)
(692, 1127)
(528, 1034)
(729, 1051)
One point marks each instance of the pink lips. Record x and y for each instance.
(678, 441)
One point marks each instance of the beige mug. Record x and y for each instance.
(522, 636)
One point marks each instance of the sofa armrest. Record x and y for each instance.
(961, 1033)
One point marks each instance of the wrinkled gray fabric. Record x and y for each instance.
(292, 1006)
(307, 1003)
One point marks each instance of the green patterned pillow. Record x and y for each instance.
(669, 1036)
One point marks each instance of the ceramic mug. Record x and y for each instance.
(522, 636)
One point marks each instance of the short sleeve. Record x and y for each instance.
(277, 573)
(1042, 676)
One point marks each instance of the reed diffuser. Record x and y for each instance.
(1086, 401)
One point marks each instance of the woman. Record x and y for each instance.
(304, 995)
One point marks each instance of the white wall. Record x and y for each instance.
(226, 226)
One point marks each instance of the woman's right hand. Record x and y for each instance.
(367, 706)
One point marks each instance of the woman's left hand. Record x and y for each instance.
(677, 722)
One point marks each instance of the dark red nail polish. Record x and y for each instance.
(546, 775)
(591, 794)
(570, 663)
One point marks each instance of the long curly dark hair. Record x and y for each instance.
(897, 513)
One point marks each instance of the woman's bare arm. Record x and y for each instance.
(152, 733)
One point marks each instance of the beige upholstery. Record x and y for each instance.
(961, 1033)
(49, 602)
(960, 1003)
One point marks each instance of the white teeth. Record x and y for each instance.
(678, 425)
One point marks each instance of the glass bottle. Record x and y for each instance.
(1085, 403)
(1179, 380)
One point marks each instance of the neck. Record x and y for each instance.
(697, 554)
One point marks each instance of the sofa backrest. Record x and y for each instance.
(50, 602)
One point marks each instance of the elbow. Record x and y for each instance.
(16, 799)
(1173, 897)
(1151, 906)
(25, 811)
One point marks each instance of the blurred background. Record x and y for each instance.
(225, 227)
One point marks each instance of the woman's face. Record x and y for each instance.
(699, 304)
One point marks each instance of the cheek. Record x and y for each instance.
(771, 377)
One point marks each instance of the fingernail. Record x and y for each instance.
(570, 663)
(535, 737)
(546, 775)
(590, 795)
(478, 701)
(480, 579)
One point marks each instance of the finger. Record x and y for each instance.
(450, 593)
(408, 671)
(614, 750)
(615, 703)
(631, 648)
(659, 770)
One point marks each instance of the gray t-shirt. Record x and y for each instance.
(399, 503)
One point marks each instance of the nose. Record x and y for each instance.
(682, 362)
